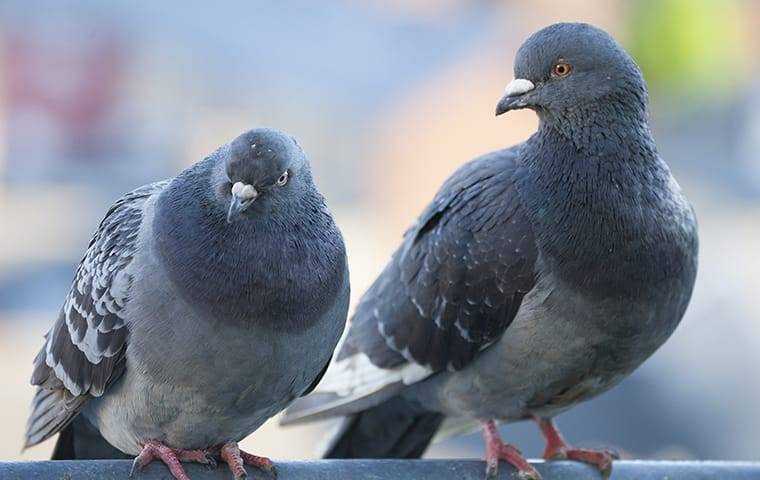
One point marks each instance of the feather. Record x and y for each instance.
(83, 352)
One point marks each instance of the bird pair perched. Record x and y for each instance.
(539, 276)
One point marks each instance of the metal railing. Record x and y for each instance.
(385, 470)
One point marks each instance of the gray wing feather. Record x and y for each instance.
(457, 281)
(84, 351)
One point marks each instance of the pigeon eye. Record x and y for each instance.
(562, 69)
(283, 179)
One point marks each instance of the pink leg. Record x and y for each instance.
(236, 458)
(497, 450)
(156, 450)
(558, 448)
(262, 463)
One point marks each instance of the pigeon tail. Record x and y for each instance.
(396, 428)
(79, 440)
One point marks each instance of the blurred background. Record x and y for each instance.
(387, 97)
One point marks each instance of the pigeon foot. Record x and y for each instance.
(558, 448)
(497, 450)
(156, 450)
(236, 458)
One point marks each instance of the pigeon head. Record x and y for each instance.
(570, 67)
(265, 170)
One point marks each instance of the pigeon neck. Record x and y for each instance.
(602, 127)
(592, 211)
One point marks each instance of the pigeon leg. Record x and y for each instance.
(236, 458)
(156, 450)
(558, 448)
(497, 450)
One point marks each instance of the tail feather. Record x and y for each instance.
(80, 440)
(64, 445)
(55, 412)
(321, 406)
(396, 428)
(50, 415)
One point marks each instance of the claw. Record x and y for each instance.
(209, 461)
(236, 458)
(155, 450)
(558, 448)
(497, 450)
(528, 476)
(203, 457)
(134, 470)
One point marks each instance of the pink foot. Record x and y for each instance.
(236, 458)
(558, 448)
(497, 450)
(156, 450)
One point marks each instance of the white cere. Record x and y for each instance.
(518, 86)
(243, 191)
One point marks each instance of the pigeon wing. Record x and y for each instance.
(84, 351)
(458, 279)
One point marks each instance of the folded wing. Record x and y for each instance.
(84, 351)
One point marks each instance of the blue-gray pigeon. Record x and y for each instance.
(204, 305)
(540, 275)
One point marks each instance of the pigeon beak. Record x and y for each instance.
(242, 198)
(513, 95)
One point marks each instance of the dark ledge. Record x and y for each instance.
(386, 470)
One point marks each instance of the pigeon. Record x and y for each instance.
(204, 305)
(540, 275)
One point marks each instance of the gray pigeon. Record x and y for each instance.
(203, 306)
(540, 275)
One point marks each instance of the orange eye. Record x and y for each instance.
(562, 70)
